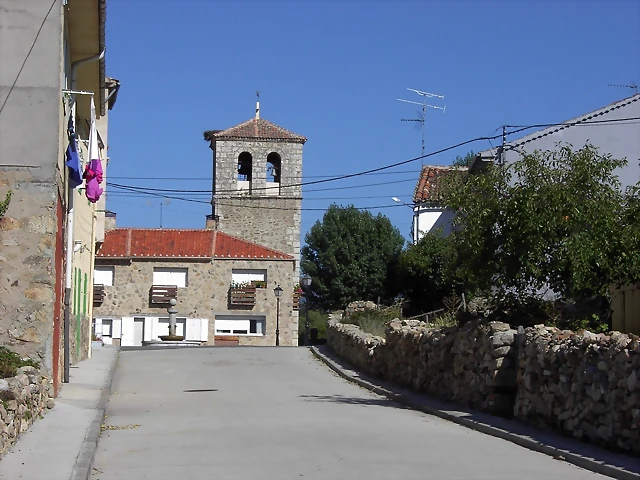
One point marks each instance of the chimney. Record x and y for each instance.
(109, 220)
(212, 222)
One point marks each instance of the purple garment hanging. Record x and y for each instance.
(93, 176)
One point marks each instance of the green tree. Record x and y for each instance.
(550, 220)
(629, 240)
(351, 255)
(422, 272)
(465, 161)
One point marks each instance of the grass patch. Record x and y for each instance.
(10, 362)
(372, 321)
(447, 319)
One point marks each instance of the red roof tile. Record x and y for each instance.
(168, 243)
(255, 128)
(430, 182)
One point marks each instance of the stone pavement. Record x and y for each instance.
(271, 413)
(60, 446)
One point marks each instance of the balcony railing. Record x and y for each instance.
(161, 294)
(242, 296)
(98, 295)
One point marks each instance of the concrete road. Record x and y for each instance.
(279, 414)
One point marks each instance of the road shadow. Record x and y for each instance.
(516, 431)
(377, 402)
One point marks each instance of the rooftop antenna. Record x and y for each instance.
(258, 104)
(424, 106)
(633, 87)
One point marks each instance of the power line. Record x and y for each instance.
(6, 99)
(137, 189)
(613, 121)
(405, 162)
(305, 209)
(306, 199)
(201, 179)
(171, 190)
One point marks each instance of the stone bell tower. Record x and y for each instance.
(257, 171)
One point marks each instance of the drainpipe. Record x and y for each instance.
(69, 253)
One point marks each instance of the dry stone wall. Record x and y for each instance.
(474, 365)
(23, 399)
(583, 385)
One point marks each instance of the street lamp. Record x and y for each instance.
(278, 293)
(305, 281)
(416, 218)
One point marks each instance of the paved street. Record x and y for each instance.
(279, 414)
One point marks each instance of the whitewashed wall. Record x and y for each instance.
(124, 329)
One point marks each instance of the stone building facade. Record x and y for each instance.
(33, 140)
(257, 176)
(210, 260)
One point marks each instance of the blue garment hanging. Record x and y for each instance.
(73, 161)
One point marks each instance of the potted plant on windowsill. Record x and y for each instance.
(96, 341)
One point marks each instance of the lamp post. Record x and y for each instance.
(278, 293)
(416, 218)
(305, 281)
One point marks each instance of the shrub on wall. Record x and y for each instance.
(4, 205)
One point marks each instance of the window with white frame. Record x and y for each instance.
(230, 325)
(243, 276)
(170, 276)
(103, 276)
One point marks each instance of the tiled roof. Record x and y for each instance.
(428, 188)
(169, 243)
(255, 128)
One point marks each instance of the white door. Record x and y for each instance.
(138, 331)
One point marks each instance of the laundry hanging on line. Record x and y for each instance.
(73, 161)
(93, 170)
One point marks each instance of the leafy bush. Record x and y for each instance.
(11, 361)
(4, 205)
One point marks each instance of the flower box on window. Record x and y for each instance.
(242, 295)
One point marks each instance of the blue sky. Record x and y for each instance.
(332, 71)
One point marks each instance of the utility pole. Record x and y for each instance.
(503, 152)
(424, 106)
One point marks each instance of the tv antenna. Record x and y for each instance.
(424, 106)
(633, 87)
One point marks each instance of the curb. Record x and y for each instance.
(84, 461)
(556, 453)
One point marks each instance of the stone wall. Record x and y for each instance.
(206, 294)
(28, 168)
(23, 399)
(583, 385)
(473, 365)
